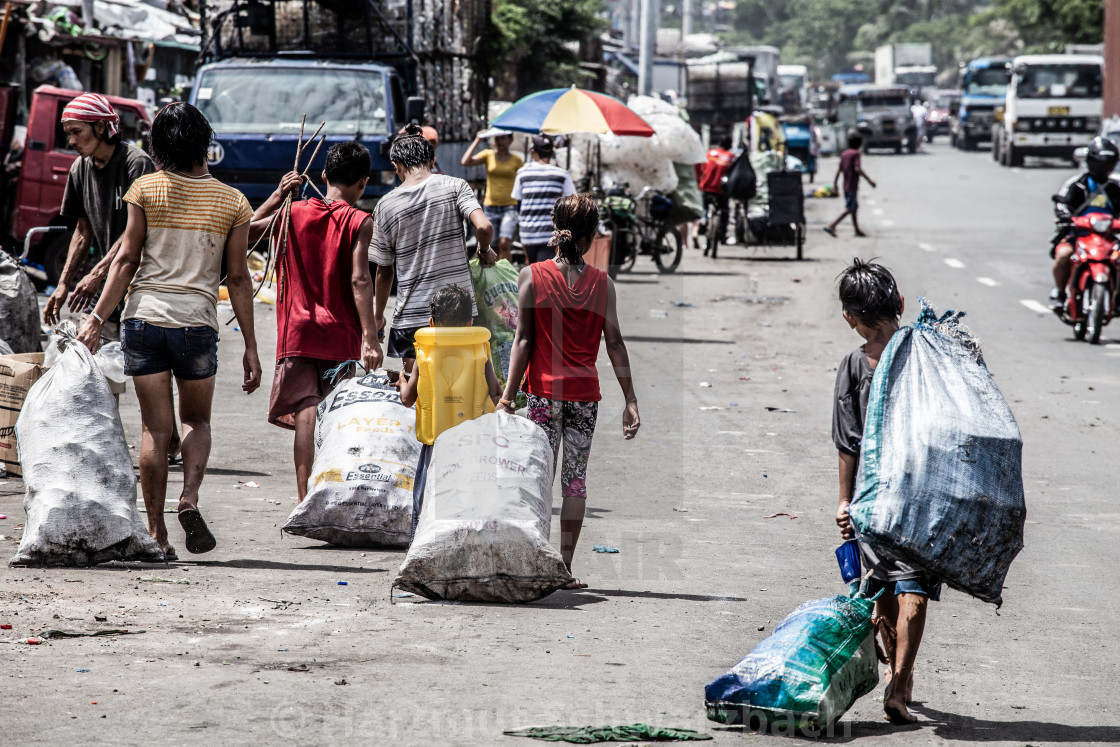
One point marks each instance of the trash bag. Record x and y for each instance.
(360, 490)
(811, 669)
(19, 309)
(485, 520)
(940, 484)
(688, 205)
(495, 295)
(741, 182)
(81, 489)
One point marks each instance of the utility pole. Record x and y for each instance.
(646, 46)
(634, 11)
(1111, 58)
(686, 22)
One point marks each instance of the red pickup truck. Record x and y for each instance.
(46, 163)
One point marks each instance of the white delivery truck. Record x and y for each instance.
(1053, 105)
(793, 80)
(908, 65)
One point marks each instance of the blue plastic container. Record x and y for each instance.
(847, 555)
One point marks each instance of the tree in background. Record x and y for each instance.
(828, 35)
(536, 40)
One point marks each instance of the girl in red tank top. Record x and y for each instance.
(565, 307)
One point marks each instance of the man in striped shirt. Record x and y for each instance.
(418, 236)
(537, 187)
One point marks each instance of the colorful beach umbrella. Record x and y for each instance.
(562, 111)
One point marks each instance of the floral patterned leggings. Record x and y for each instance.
(574, 422)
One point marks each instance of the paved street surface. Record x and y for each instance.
(257, 641)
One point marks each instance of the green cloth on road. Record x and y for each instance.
(593, 734)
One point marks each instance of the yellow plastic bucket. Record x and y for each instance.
(452, 364)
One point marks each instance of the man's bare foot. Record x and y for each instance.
(575, 583)
(894, 707)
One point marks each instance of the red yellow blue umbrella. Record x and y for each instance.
(562, 111)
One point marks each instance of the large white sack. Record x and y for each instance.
(360, 490)
(484, 525)
(19, 309)
(81, 489)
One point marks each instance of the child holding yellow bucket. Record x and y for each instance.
(565, 307)
(449, 344)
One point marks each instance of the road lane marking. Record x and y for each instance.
(887, 222)
(927, 247)
(988, 282)
(877, 211)
(956, 264)
(1035, 306)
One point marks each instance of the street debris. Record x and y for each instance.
(592, 734)
(252, 484)
(658, 314)
(51, 634)
(160, 580)
(780, 513)
(779, 409)
(711, 407)
(706, 384)
(281, 604)
(683, 305)
(604, 548)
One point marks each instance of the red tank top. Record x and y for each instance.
(568, 325)
(316, 316)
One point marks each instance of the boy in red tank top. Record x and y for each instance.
(324, 311)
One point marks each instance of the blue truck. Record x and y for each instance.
(365, 67)
(983, 84)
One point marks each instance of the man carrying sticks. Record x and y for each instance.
(324, 311)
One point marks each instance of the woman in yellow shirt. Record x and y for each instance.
(498, 204)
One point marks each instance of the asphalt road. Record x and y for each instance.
(701, 576)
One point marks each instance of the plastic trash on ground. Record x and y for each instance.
(360, 490)
(811, 669)
(940, 483)
(484, 525)
(81, 489)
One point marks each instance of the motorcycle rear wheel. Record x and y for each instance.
(667, 253)
(1095, 318)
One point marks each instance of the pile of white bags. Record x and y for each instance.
(19, 309)
(484, 525)
(360, 490)
(81, 489)
(639, 161)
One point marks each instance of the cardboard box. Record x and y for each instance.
(17, 374)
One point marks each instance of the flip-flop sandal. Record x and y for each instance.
(172, 460)
(574, 585)
(199, 538)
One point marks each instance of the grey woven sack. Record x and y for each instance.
(940, 483)
(19, 309)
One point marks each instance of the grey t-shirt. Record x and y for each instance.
(98, 194)
(853, 385)
(419, 231)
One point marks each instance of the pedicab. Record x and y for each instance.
(801, 143)
(776, 214)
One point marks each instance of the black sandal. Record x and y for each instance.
(199, 537)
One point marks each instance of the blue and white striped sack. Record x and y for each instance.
(940, 483)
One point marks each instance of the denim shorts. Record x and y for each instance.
(190, 353)
(923, 586)
(504, 220)
(851, 201)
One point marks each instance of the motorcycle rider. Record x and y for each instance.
(711, 186)
(1090, 192)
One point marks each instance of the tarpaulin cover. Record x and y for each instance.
(940, 483)
(811, 669)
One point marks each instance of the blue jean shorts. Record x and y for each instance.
(851, 201)
(190, 353)
(504, 220)
(922, 586)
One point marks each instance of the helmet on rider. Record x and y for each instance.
(1101, 158)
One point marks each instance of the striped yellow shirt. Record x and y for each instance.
(189, 219)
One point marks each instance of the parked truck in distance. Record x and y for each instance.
(365, 68)
(793, 80)
(908, 65)
(1052, 105)
(983, 84)
(883, 116)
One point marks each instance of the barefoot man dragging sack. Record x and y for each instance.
(181, 222)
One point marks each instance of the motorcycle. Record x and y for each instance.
(639, 225)
(1092, 291)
